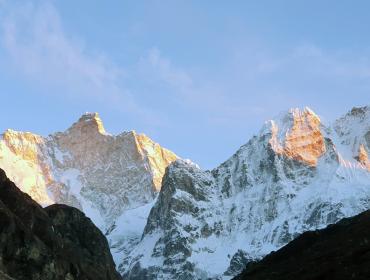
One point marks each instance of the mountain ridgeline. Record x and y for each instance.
(296, 175)
(85, 167)
(165, 218)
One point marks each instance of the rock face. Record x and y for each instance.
(340, 251)
(303, 140)
(58, 242)
(296, 175)
(85, 165)
(103, 175)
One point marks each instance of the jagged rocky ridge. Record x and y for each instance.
(296, 175)
(58, 242)
(112, 179)
(340, 251)
(86, 165)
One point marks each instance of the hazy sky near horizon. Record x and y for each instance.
(198, 77)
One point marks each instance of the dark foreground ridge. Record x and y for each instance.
(340, 251)
(58, 242)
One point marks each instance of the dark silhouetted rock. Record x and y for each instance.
(58, 242)
(339, 252)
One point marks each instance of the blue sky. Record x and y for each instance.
(199, 77)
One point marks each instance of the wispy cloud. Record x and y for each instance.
(184, 87)
(208, 97)
(259, 82)
(39, 49)
(162, 69)
(253, 81)
(38, 46)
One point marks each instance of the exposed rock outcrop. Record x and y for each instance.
(104, 176)
(296, 175)
(87, 168)
(302, 137)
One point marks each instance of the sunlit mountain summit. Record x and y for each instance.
(165, 218)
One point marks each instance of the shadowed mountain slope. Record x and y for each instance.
(340, 251)
(58, 242)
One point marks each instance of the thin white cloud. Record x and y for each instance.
(161, 69)
(257, 83)
(307, 59)
(39, 49)
(38, 46)
(205, 97)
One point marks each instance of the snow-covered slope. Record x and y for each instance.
(295, 175)
(105, 176)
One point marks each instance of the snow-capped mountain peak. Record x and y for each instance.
(166, 218)
(297, 135)
(86, 167)
(88, 122)
(286, 180)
